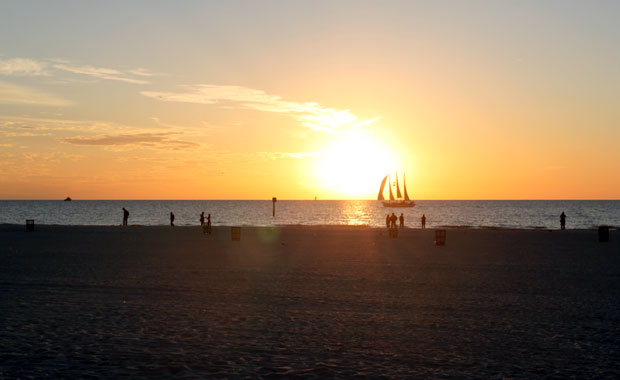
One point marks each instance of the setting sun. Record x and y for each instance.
(353, 165)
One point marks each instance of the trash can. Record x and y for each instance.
(235, 233)
(29, 225)
(394, 233)
(440, 237)
(603, 234)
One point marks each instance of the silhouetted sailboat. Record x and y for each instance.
(393, 202)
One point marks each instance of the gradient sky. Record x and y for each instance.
(249, 100)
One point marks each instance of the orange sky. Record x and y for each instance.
(237, 101)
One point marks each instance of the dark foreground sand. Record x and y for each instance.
(316, 302)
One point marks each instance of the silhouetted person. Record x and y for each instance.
(125, 216)
(423, 221)
(393, 220)
(202, 218)
(401, 218)
(209, 224)
(387, 220)
(171, 219)
(562, 221)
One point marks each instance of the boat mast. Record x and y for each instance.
(405, 188)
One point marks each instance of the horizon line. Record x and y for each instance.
(339, 200)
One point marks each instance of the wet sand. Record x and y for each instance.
(314, 302)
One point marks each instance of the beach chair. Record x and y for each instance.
(603, 234)
(440, 237)
(235, 233)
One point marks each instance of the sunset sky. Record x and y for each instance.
(255, 99)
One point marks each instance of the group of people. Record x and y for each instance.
(202, 218)
(390, 220)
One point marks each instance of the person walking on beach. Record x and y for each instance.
(401, 218)
(202, 218)
(393, 220)
(209, 224)
(423, 221)
(125, 216)
(562, 221)
(171, 219)
(387, 220)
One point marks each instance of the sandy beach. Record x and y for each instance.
(315, 302)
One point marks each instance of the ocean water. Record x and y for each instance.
(474, 214)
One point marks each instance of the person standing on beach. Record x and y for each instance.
(423, 221)
(209, 224)
(562, 221)
(387, 220)
(393, 220)
(171, 219)
(125, 216)
(202, 218)
(401, 218)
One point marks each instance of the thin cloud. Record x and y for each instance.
(101, 72)
(31, 67)
(23, 134)
(10, 122)
(22, 67)
(14, 94)
(142, 72)
(312, 115)
(290, 155)
(150, 140)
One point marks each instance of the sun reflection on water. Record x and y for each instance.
(356, 213)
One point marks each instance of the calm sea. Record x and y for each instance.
(505, 214)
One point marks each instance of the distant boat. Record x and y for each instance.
(399, 201)
(68, 199)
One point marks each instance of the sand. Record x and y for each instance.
(309, 302)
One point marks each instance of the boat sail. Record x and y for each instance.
(380, 196)
(393, 202)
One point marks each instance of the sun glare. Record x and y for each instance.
(354, 165)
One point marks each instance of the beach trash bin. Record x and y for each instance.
(394, 233)
(29, 225)
(235, 233)
(603, 234)
(440, 237)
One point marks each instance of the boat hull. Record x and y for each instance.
(399, 204)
